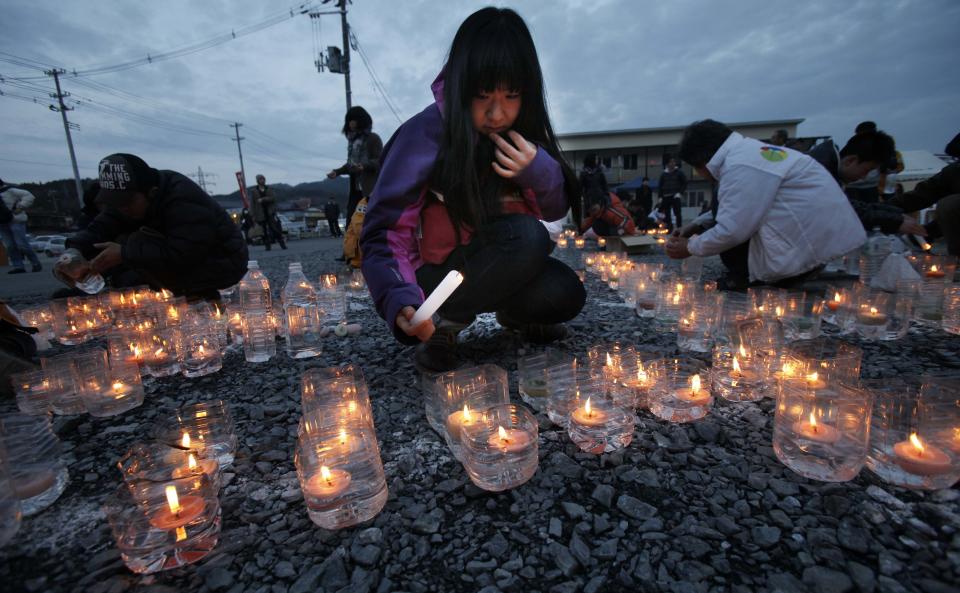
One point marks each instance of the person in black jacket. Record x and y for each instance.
(332, 211)
(162, 227)
(864, 152)
(673, 184)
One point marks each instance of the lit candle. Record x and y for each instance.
(922, 459)
(740, 374)
(179, 511)
(589, 260)
(601, 242)
(439, 295)
(206, 466)
(329, 483)
(935, 272)
(120, 390)
(561, 242)
(579, 242)
(457, 420)
(813, 381)
(872, 317)
(815, 431)
(694, 394)
(587, 416)
(200, 354)
(836, 302)
(509, 440)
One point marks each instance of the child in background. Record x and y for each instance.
(463, 186)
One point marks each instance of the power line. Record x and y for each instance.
(152, 58)
(377, 84)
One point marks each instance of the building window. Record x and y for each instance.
(629, 161)
(694, 199)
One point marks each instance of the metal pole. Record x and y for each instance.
(66, 128)
(345, 28)
(236, 129)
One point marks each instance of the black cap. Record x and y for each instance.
(123, 175)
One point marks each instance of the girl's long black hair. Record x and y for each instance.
(492, 49)
(364, 121)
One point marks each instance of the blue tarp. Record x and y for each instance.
(635, 183)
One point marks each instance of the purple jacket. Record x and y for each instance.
(389, 241)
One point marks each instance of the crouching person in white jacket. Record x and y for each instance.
(780, 215)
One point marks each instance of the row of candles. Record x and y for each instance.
(828, 424)
(165, 514)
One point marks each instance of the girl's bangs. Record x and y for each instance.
(498, 61)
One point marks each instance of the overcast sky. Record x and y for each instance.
(608, 65)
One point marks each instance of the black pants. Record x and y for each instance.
(735, 259)
(272, 233)
(675, 205)
(507, 268)
(334, 225)
(355, 196)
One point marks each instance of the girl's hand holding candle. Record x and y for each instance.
(436, 299)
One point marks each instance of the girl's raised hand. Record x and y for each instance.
(512, 159)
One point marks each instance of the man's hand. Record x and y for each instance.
(110, 257)
(422, 332)
(687, 230)
(676, 248)
(909, 226)
(512, 160)
(332, 175)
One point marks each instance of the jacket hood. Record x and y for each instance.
(436, 87)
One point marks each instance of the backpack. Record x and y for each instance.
(351, 239)
(6, 215)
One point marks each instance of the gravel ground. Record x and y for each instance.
(685, 508)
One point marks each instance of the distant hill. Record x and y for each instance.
(294, 196)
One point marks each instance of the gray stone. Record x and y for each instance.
(708, 431)
(284, 570)
(883, 497)
(649, 478)
(827, 580)
(635, 508)
(785, 583)
(852, 537)
(479, 566)
(497, 546)
(765, 536)
(607, 550)
(426, 524)
(580, 550)
(370, 535)
(573, 510)
(563, 559)
(218, 579)
(693, 547)
(365, 555)
(595, 585)
(308, 580)
(888, 564)
(603, 494)
(888, 585)
(727, 526)
(783, 487)
(556, 527)
(863, 577)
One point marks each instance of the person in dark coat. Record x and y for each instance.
(363, 156)
(672, 185)
(593, 181)
(162, 227)
(332, 211)
(263, 206)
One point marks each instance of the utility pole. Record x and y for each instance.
(203, 179)
(345, 29)
(236, 129)
(63, 109)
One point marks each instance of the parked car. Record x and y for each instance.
(39, 243)
(55, 246)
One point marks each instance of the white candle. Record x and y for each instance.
(439, 296)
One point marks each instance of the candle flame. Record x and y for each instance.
(933, 268)
(778, 311)
(325, 473)
(343, 436)
(609, 360)
(503, 433)
(201, 351)
(586, 408)
(173, 501)
(736, 365)
(813, 422)
(676, 298)
(185, 441)
(837, 298)
(788, 369)
(641, 375)
(917, 443)
(813, 377)
(465, 418)
(873, 310)
(191, 462)
(926, 246)
(351, 406)
(743, 351)
(695, 384)
(117, 385)
(181, 533)
(201, 413)
(158, 351)
(172, 312)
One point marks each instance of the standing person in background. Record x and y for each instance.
(332, 211)
(593, 181)
(263, 205)
(645, 196)
(13, 227)
(779, 138)
(673, 183)
(363, 157)
(465, 185)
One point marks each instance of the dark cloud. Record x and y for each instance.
(607, 65)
